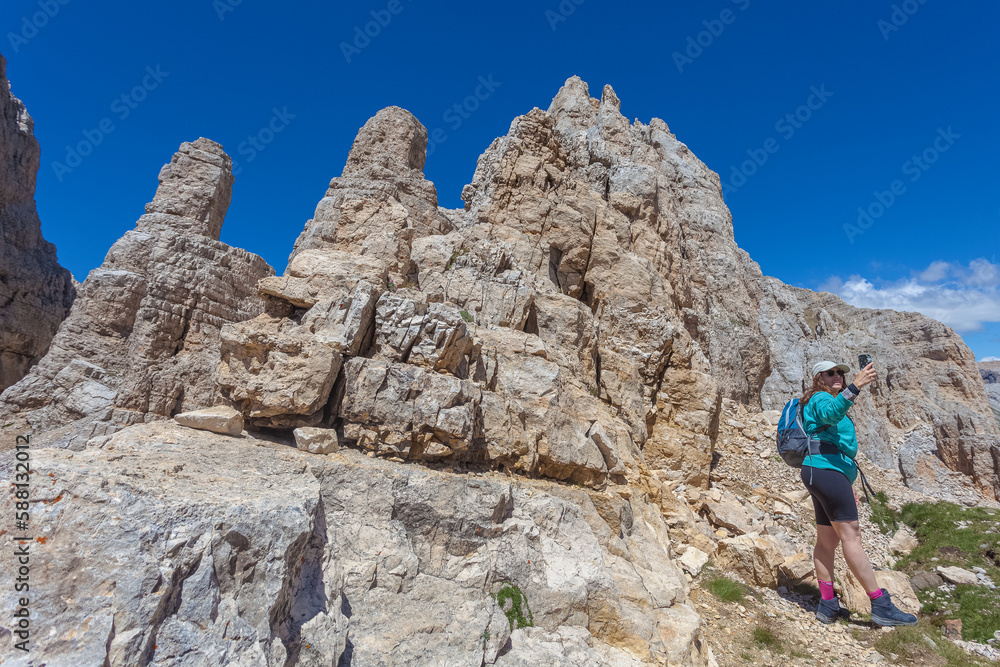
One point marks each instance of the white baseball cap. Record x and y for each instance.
(828, 365)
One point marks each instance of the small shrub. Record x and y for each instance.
(465, 315)
(725, 589)
(519, 614)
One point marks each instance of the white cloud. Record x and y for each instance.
(990, 359)
(963, 297)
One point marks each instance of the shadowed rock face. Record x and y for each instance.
(35, 292)
(990, 372)
(142, 339)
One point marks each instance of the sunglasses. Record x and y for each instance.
(830, 374)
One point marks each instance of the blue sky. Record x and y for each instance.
(808, 111)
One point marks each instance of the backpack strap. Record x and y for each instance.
(865, 486)
(800, 422)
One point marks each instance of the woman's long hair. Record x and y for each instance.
(817, 385)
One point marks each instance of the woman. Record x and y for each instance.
(828, 474)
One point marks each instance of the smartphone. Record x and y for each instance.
(864, 360)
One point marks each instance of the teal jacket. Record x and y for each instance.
(824, 409)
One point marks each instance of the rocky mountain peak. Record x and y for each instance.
(194, 192)
(572, 106)
(394, 140)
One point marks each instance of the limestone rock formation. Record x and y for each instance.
(220, 550)
(35, 292)
(142, 338)
(583, 317)
(534, 394)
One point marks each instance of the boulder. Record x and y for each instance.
(755, 558)
(692, 560)
(276, 372)
(958, 575)
(409, 411)
(316, 440)
(733, 515)
(223, 528)
(434, 335)
(220, 419)
(903, 541)
(270, 556)
(921, 580)
(797, 570)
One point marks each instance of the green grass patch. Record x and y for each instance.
(515, 606)
(966, 537)
(465, 315)
(917, 644)
(942, 536)
(979, 609)
(724, 588)
(884, 517)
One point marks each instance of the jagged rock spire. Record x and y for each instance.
(194, 192)
(35, 292)
(142, 340)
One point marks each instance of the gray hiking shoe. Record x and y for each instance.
(884, 612)
(830, 610)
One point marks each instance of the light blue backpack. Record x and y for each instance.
(794, 444)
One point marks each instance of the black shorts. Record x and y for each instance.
(832, 495)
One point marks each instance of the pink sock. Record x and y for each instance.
(826, 589)
(876, 595)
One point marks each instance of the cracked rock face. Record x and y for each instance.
(35, 292)
(222, 550)
(142, 337)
